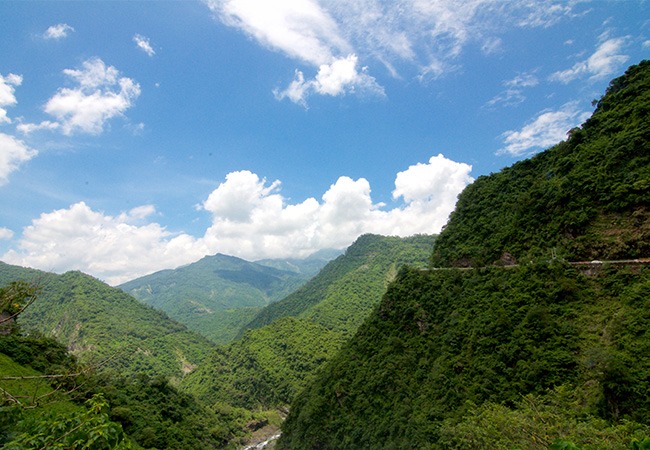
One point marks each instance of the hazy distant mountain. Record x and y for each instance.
(216, 295)
(309, 266)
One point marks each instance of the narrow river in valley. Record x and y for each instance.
(267, 444)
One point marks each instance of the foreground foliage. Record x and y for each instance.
(445, 341)
(49, 400)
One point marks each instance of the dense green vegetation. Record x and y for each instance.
(444, 341)
(218, 294)
(49, 400)
(588, 197)
(267, 367)
(346, 290)
(543, 354)
(539, 355)
(103, 325)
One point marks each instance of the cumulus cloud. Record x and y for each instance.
(78, 238)
(100, 95)
(300, 28)
(340, 77)
(58, 31)
(547, 129)
(7, 98)
(13, 153)
(605, 61)
(424, 35)
(250, 219)
(144, 44)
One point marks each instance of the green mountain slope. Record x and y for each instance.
(520, 356)
(443, 341)
(291, 339)
(218, 294)
(101, 324)
(267, 367)
(588, 197)
(347, 289)
(43, 392)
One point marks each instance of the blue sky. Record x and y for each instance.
(137, 136)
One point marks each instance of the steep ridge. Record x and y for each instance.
(523, 357)
(347, 289)
(102, 324)
(267, 366)
(587, 197)
(218, 294)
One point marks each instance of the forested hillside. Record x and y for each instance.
(49, 400)
(347, 289)
(587, 197)
(218, 294)
(513, 357)
(101, 324)
(267, 366)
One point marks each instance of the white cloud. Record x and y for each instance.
(605, 61)
(300, 28)
(492, 46)
(111, 248)
(6, 233)
(334, 79)
(547, 129)
(545, 13)
(58, 31)
(514, 92)
(27, 128)
(13, 153)
(7, 97)
(398, 35)
(100, 95)
(144, 44)
(250, 219)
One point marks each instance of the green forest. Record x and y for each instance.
(515, 328)
(503, 343)
(218, 294)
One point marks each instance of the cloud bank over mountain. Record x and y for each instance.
(249, 218)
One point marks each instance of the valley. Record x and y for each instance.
(523, 324)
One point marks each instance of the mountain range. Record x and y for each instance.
(218, 294)
(511, 329)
